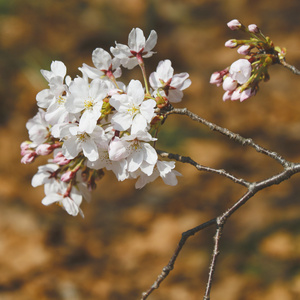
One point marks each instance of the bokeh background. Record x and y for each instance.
(127, 236)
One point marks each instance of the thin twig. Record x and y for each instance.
(236, 137)
(186, 159)
(220, 222)
(214, 259)
(253, 189)
(288, 66)
(170, 266)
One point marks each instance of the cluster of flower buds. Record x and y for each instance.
(95, 122)
(240, 81)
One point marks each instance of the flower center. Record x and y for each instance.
(134, 110)
(89, 103)
(61, 100)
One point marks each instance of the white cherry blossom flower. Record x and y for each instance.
(136, 149)
(240, 70)
(164, 169)
(54, 98)
(132, 110)
(137, 48)
(106, 66)
(66, 196)
(38, 128)
(165, 81)
(55, 78)
(88, 99)
(119, 167)
(45, 175)
(81, 141)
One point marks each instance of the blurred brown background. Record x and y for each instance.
(127, 236)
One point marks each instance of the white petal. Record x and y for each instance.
(44, 98)
(101, 59)
(180, 81)
(150, 155)
(135, 160)
(136, 91)
(70, 206)
(154, 80)
(120, 51)
(88, 121)
(175, 95)
(71, 148)
(151, 41)
(121, 121)
(139, 123)
(136, 39)
(58, 68)
(90, 150)
(51, 198)
(117, 150)
(147, 109)
(165, 70)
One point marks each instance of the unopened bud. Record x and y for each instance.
(25, 148)
(253, 28)
(28, 157)
(44, 149)
(229, 84)
(231, 44)
(216, 78)
(67, 176)
(227, 95)
(60, 159)
(234, 24)
(246, 94)
(236, 95)
(244, 49)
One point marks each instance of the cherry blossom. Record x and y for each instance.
(234, 24)
(106, 66)
(94, 123)
(65, 195)
(81, 141)
(38, 128)
(132, 110)
(240, 70)
(167, 84)
(137, 48)
(164, 169)
(87, 98)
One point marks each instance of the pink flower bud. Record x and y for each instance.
(60, 159)
(253, 28)
(244, 49)
(229, 84)
(234, 24)
(28, 157)
(67, 176)
(227, 95)
(44, 149)
(216, 78)
(231, 44)
(236, 95)
(246, 94)
(25, 148)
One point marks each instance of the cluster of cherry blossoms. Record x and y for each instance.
(240, 80)
(94, 122)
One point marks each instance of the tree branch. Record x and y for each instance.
(170, 266)
(288, 66)
(188, 160)
(236, 137)
(253, 188)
